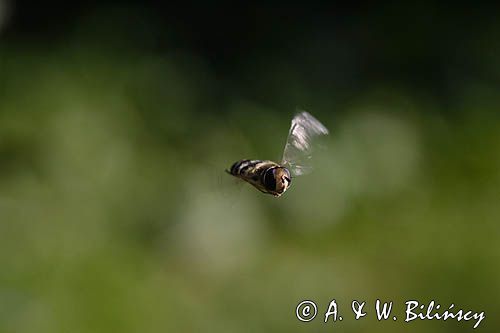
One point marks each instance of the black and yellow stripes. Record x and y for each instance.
(243, 166)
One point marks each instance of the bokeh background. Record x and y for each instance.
(117, 120)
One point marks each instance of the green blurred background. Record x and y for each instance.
(117, 121)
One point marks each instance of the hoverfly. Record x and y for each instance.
(275, 178)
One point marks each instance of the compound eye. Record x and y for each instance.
(270, 180)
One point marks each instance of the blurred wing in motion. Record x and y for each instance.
(300, 143)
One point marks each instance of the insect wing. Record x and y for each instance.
(300, 143)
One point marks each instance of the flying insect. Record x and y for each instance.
(275, 178)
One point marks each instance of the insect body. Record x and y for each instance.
(266, 176)
(275, 178)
